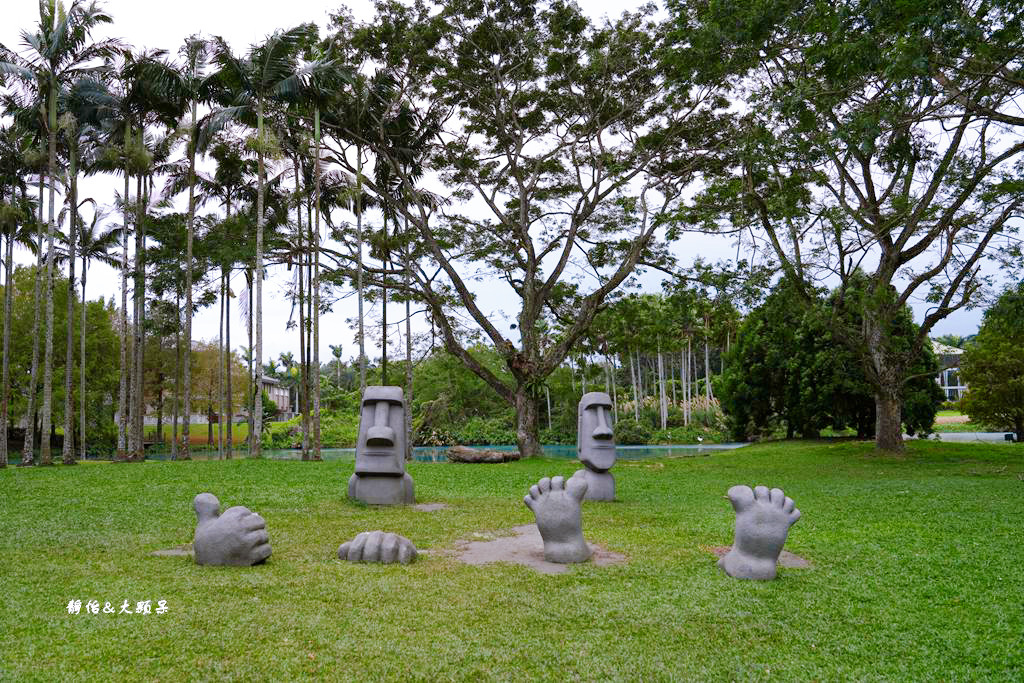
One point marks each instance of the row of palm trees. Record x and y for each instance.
(80, 105)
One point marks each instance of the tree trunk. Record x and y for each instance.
(46, 413)
(5, 379)
(301, 277)
(175, 409)
(68, 450)
(122, 388)
(257, 443)
(408, 357)
(251, 377)
(139, 294)
(636, 388)
(527, 433)
(888, 423)
(220, 372)
(707, 371)
(186, 400)
(230, 409)
(359, 268)
(662, 397)
(316, 294)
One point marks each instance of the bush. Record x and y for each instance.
(480, 431)
(629, 432)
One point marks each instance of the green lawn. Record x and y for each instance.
(916, 574)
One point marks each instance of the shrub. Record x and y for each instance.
(629, 432)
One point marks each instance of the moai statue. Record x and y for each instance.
(763, 519)
(380, 477)
(237, 538)
(557, 506)
(595, 444)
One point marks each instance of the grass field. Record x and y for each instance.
(916, 574)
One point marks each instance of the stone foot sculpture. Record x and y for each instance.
(557, 505)
(378, 546)
(763, 519)
(237, 538)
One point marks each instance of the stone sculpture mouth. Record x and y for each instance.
(380, 436)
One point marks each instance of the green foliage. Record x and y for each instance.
(789, 368)
(629, 431)
(993, 366)
(101, 344)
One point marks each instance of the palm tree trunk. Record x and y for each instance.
(187, 369)
(636, 388)
(68, 451)
(301, 277)
(230, 411)
(220, 372)
(408, 356)
(122, 418)
(139, 293)
(27, 451)
(5, 378)
(46, 414)
(257, 450)
(250, 377)
(707, 371)
(316, 295)
(359, 267)
(177, 381)
(662, 397)
(81, 360)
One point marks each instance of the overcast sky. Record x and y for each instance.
(243, 23)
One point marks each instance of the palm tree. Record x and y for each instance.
(58, 53)
(248, 86)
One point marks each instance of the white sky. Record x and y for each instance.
(241, 23)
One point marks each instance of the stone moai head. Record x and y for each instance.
(595, 441)
(381, 446)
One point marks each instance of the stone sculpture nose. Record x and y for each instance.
(380, 434)
(602, 431)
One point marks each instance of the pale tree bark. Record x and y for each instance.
(190, 237)
(359, 268)
(46, 411)
(122, 389)
(228, 442)
(82, 384)
(5, 378)
(137, 446)
(257, 443)
(303, 389)
(316, 294)
(68, 451)
(176, 408)
(27, 451)
(220, 372)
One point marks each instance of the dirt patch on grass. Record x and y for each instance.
(952, 420)
(431, 507)
(786, 559)
(183, 550)
(523, 545)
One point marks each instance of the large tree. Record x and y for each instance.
(993, 366)
(853, 153)
(554, 136)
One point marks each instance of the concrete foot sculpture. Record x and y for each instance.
(380, 477)
(557, 505)
(378, 546)
(763, 519)
(595, 445)
(236, 538)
